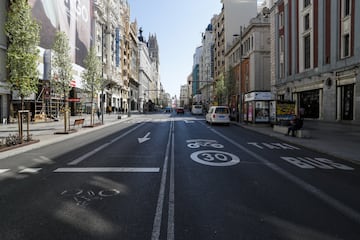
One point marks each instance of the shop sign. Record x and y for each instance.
(263, 96)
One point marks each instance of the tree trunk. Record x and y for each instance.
(66, 105)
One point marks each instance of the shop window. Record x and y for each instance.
(262, 111)
(309, 102)
(348, 102)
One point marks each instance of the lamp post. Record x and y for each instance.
(128, 108)
(240, 101)
(102, 75)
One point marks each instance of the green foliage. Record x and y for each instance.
(230, 82)
(91, 77)
(61, 65)
(22, 55)
(220, 88)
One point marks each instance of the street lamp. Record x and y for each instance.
(128, 108)
(102, 74)
(240, 101)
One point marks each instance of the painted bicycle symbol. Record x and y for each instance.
(215, 158)
(84, 197)
(196, 143)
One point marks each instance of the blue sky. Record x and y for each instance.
(178, 26)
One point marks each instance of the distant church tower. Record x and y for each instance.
(154, 50)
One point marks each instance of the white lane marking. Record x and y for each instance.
(82, 158)
(215, 158)
(171, 211)
(196, 143)
(106, 170)
(349, 212)
(4, 170)
(160, 202)
(311, 163)
(273, 145)
(30, 170)
(144, 139)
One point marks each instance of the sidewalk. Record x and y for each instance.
(45, 131)
(340, 140)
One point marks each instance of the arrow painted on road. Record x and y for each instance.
(145, 138)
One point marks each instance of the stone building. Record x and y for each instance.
(248, 64)
(316, 56)
(4, 90)
(206, 66)
(112, 32)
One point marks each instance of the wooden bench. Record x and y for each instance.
(79, 122)
(300, 133)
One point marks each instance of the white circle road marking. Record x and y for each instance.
(215, 158)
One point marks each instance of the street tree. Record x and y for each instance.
(62, 71)
(22, 31)
(91, 77)
(220, 88)
(230, 84)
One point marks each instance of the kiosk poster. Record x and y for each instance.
(285, 110)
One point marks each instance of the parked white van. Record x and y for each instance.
(218, 114)
(197, 109)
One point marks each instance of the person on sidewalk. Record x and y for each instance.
(98, 113)
(295, 124)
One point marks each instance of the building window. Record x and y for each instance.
(282, 70)
(281, 19)
(306, 3)
(346, 45)
(307, 51)
(346, 8)
(307, 22)
(281, 44)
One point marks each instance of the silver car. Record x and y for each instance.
(218, 114)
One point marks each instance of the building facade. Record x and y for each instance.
(206, 66)
(226, 24)
(248, 70)
(112, 31)
(4, 90)
(316, 56)
(104, 24)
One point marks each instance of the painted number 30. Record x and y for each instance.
(215, 158)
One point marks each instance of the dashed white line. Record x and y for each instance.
(4, 170)
(30, 170)
(160, 202)
(106, 170)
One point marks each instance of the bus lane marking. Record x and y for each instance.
(312, 163)
(321, 195)
(283, 146)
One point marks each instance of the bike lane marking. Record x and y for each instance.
(336, 204)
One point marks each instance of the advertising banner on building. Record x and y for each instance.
(69, 16)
